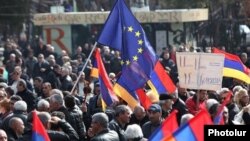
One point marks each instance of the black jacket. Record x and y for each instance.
(29, 98)
(134, 120)
(106, 135)
(181, 107)
(68, 133)
(148, 128)
(76, 122)
(114, 125)
(11, 135)
(20, 114)
(54, 79)
(92, 106)
(246, 118)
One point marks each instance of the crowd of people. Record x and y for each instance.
(40, 79)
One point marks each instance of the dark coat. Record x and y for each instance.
(29, 98)
(76, 122)
(114, 125)
(106, 135)
(68, 133)
(54, 79)
(37, 70)
(92, 106)
(181, 107)
(19, 114)
(148, 128)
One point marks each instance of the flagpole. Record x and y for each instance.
(84, 66)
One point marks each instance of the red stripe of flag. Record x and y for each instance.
(144, 100)
(164, 78)
(103, 74)
(39, 132)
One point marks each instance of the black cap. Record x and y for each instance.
(165, 96)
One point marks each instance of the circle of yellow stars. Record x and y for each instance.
(139, 42)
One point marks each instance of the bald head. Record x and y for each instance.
(3, 135)
(139, 112)
(17, 125)
(139, 108)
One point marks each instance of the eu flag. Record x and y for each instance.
(124, 33)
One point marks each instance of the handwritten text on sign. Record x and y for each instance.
(200, 70)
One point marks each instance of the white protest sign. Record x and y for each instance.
(200, 70)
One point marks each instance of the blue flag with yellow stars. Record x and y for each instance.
(123, 32)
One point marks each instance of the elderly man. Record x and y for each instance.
(134, 133)
(166, 104)
(99, 130)
(173, 102)
(122, 117)
(43, 105)
(17, 128)
(57, 104)
(139, 116)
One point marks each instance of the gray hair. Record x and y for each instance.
(210, 102)
(121, 109)
(56, 91)
(44, 117)
(223, 90)
(20, 105)
(43, 103)
(185, 118)
(237, 88)
(133, 131)
(101, 118)
(57, 98)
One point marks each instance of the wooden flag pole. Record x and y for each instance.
(83, 68)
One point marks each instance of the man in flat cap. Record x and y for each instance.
(166, 103)
(175, 103)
